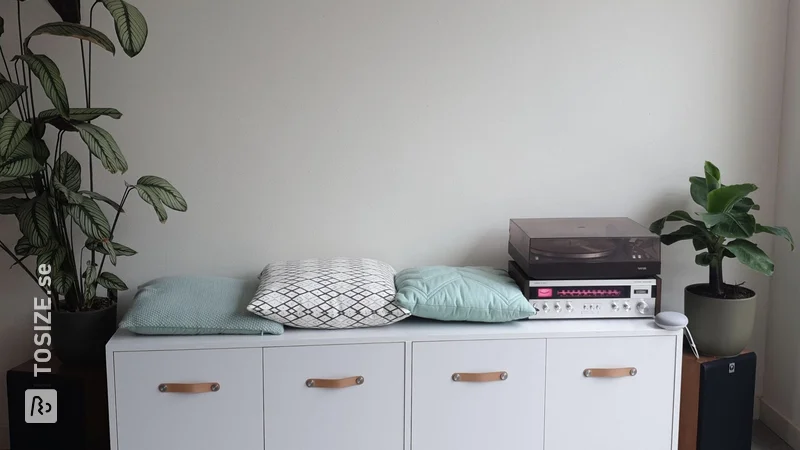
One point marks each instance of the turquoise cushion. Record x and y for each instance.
(473, 294)
(196, 305)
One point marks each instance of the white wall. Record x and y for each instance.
(411, 131)
(781, 402)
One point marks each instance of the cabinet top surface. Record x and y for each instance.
(410, 330)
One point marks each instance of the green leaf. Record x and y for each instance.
(149, 196)
(39, 149)
(119, 249)
(167, 193)
(38, 128)
(745, 205)
(734, 225)
(16, 186)
(90, 280)
(12, 132)
(80, 114)
(34, 221)
(712, 177)
(90, 219)
(103, 146)
(110, 281)
(50, 78)
(52, 257)
(9, 206)
(723, 199)
(700, 244)
(658, 226)
(699, 191)
(23, 247)
(67, 170)
(703, 259)
(751, 256)
(777, 231)
(19, 167)
(3, 27)
(74, 30)
(90, 274)
(104, 199)
(63, 282)
(130, 25)
(9, 93)
(66, 195)
(68, 10)
(684, 233)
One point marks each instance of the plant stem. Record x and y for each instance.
(91, 21)
(24, 96)
(114, 226)
(83, 65)
(29, 83)
(21, 264)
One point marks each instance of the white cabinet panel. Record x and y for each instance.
(365, 416)
(228, 417)
(503, 414)
(610, 411)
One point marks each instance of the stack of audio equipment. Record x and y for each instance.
(586, 268)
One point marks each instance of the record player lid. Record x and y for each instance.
(588, 227)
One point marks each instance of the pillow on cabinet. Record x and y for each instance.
(472, 294)
(328, 293)
(196, 305)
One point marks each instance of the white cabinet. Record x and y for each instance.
(415, 385)
(335, 397)
(189, 400)
(611, 393)
(476, 395)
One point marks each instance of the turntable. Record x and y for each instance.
(584, 248)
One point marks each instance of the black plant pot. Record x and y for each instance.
(79, 338)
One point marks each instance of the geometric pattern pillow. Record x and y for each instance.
(328, 294)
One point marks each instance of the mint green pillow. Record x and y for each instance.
(472, 294)
(196, 305)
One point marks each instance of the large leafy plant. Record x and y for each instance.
(723, 230)
(44, 186)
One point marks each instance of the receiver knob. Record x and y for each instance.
(615, 306)
(546, 308)
(569, 306)
(627, 306)
(642, 307)
(557, 307)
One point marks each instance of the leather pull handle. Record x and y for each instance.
(611, 373)
(340, 383)
(479, 377)
(188, 388)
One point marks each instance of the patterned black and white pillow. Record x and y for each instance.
(328, 293)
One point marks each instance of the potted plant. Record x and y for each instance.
(721, 315)
(63, 219)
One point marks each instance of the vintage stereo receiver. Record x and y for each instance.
(590, 299)
(584, 248)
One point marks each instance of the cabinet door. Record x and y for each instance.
(223, 407)
(626, 401)
(477, 395)
(335, 397)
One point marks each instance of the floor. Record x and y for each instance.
(765, 439)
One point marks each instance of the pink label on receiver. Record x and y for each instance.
(545, 292)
